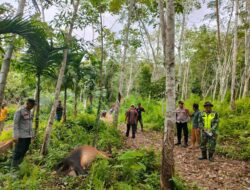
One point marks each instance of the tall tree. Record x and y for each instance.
(235, 54)
(123, 62)
(47, 134)
(217, 13)
(168, 39)
(7, 57)
(97, 122)
(247, 52)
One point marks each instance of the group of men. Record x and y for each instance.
(132, 118)
(204, 127)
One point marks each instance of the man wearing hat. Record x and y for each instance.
(23, 132)
(208, 123)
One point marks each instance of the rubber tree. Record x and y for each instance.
(235, 54)
(168, 40)
(218, 68)
(247, 52)
(123, 63)
(46, 140)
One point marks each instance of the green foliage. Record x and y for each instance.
(179, 184)
(158, 88)
(29, 175)
(34, 34)
(11, 111)
(132, 169)
(144, 82)
(6, 135)
(234, 131)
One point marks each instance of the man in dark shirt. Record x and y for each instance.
(140, 109)
(59, 111)
(131, 120)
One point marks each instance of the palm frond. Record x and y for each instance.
(34, 35)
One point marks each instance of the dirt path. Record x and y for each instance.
(222, 174)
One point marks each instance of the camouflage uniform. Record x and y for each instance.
(208, 123)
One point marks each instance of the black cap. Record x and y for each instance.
(31, 101)
(180, 102)
(208, 104)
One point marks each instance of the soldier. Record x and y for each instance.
(208, 124)
(23, 132)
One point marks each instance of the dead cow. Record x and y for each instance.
(79, 160)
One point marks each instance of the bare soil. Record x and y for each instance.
(222, 174)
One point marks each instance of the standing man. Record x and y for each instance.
(195, 138)
(140, 109)
(131, 120)
(23, 131)
(3, 116)
(59, 111)
(182, 118)
(208, 124)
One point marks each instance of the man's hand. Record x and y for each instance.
(15, 140)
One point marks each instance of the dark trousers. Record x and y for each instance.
(21, 147)
(141, 123)
(133, 130)
(58, 117)
(180, 127)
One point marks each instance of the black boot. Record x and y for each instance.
(210, 156)
(203, 155)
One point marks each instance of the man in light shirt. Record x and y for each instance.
(23, 132)
(182, 118)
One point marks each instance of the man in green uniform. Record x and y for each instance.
(208, 124)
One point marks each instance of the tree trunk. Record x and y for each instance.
(218, 69)
(186, 82)
(7, 57)
(38, 83)
(75, 100)
(130, 81)
(120, 90)
(42, 11)
(47, 134)
(98, 115)
(247, 53)
(183, 85)
(217, 12)
(235, 54)
(65, 104)
(224, 75)
(168, 39)
(180, 74)
(151, 46)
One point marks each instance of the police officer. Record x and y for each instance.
(208, 124)
(23, 132)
